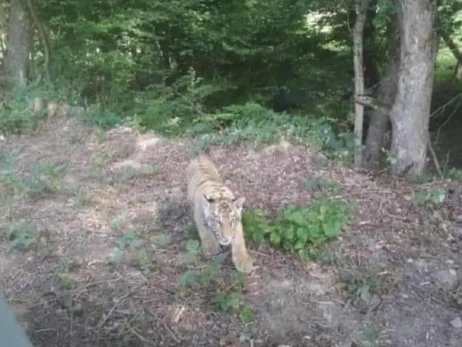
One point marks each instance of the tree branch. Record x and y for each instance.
(374, 103)
(43, 38)
(451, 45)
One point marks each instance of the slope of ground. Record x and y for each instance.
(97, 243)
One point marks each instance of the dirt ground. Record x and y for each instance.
(393, 278)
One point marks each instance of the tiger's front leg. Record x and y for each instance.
(241, 258)
(209, 243)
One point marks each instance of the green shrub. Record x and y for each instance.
(299, 229)
(103, 118)
(454, 174)
(15, 116)
(23, 236)
(429, 197)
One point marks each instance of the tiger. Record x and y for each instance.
(217, 213)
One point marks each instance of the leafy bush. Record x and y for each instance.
(234, 302)
(299, 230)
(454, 174)
(429, 197)
(103, 118)
(255, 124)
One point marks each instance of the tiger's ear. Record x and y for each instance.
(239, 203)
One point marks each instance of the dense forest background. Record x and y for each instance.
(243, 70)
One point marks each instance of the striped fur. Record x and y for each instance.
(217, 212)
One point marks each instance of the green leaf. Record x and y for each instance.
(289, 234)
(220, 302)
(247, 315)
(364, 293)
(192, 246)
(302, 234)
(275, 238)
(161, 239)
(189, 278)
(297, 217)
(117, 255)
(136, 243)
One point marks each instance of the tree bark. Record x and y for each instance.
(361, 16)
(18, 46)
(411, 109)
(380, 119)
(371, 64)
(379, 125)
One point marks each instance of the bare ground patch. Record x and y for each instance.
(103, 235)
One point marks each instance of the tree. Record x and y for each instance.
(18, 45)
(361, 15)
(410, 112)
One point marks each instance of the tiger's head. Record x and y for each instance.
(223, 217)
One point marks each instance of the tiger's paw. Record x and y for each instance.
(211, 249)
(243, 263)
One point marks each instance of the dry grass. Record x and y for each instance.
(109, 239)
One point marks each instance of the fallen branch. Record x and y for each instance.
(104, 318)
(435, 158)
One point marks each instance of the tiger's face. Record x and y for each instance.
(223, 216)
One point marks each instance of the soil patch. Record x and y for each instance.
(392, 279)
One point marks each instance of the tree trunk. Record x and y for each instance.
(411, 110)
(379, 124)
(361, 15)
(371, 64)
(18, 46)
(380, 119)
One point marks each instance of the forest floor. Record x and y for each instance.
(96, 249)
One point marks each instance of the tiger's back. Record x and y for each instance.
(204, 179)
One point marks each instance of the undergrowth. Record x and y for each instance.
(185, 110)
(45, 178)
(24, 236)
(300, 230)
(15, 109)
(15, 114)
